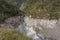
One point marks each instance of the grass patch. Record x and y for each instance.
(9, 34)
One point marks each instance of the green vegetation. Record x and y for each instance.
(8, 8)
(9, 34)
(49, 9)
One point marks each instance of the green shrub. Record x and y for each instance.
(8, 8)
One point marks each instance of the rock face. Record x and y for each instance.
(37, 29)
(48, 29)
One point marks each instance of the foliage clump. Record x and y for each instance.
(8, 8)
(49, 9)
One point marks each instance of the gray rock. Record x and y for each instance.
(11, 22)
